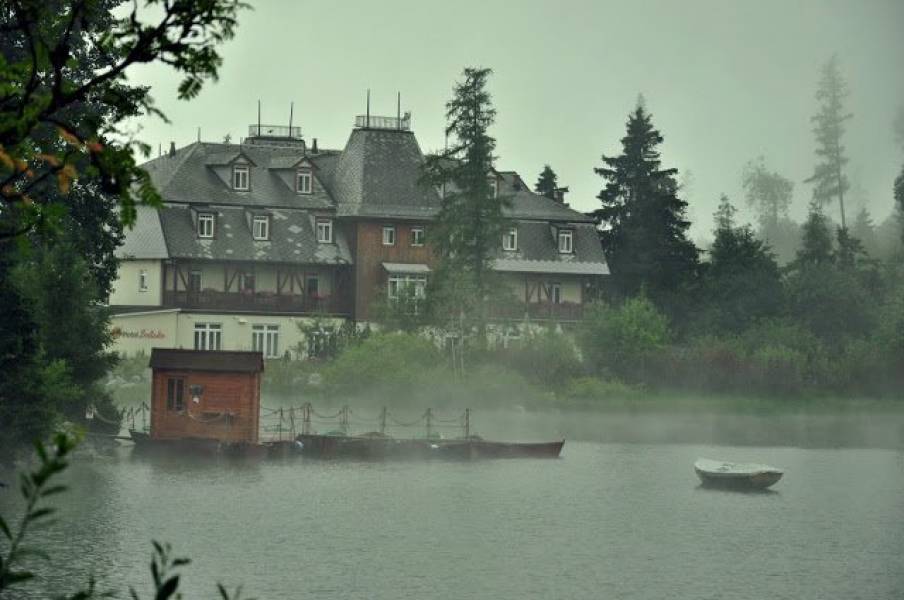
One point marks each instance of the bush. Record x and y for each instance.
(590, 392)
(546, 358)
(622, 341)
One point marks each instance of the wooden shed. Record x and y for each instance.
(205, 394)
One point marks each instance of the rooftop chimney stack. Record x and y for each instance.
(314, 146)
(172, 149)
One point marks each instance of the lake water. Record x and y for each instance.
(607, 520)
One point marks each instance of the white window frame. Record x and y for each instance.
(260, 227)
(265, 339)
(143, 280)
(206, 225)
(397, 282)
(566, 241)
(325, 231)
(389, 235)
(417, 237)
(208, 336)
(241, 178)
(304, 181)
(494, 185)
(510, 240)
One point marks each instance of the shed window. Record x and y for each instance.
(417, 236)
(510, 239)
(324, 231)
(174, 394)
(207, 336)
(240, 177)
(389, 235)
(303, 181)
(261, 228)
(205, 225)
(566, 241)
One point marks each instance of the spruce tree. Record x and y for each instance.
(547, 183)
(828, 177)
(470, 223)
(899, 200)
(643, 222)
(816, 243)
(742, 282)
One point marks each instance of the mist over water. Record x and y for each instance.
(606, 520)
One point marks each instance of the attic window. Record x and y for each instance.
(303, 181)
(205, 225)
(494, 185)
(240, 177)
(510, 239)
(566, 241)
(324, 231)
(261, 227)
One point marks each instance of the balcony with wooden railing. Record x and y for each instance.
(267, 302)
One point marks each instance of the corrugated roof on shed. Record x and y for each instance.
(226, 361)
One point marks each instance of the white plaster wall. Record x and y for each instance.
(126, 289)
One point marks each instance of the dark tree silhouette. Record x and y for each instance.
(547, 183)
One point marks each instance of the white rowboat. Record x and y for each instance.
(717, 473)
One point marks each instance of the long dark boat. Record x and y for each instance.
(375, 446)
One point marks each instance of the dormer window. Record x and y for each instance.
(260, 228)
(493, 182)
(303, 181)
(240, 177)
(510, 239)
(324, 231)
(205, 225)
(566, 241)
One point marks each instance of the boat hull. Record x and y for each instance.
(736, 476)
(198, 446)
(378, 448)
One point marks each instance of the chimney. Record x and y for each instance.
(559, 194)
(172, 149)
(314, 146)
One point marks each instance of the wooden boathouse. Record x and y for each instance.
(205, 394)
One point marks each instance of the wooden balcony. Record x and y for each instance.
(265, 302)
(540, 311)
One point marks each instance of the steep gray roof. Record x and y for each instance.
(529, 205)
(292, 237)
(144, 240)
(190, 177)
(538, 250)
(379, 175)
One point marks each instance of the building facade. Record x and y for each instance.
(259, 242)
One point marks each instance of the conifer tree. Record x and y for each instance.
(816, 243)
(828, 177)
(644, 227)
(547, 183)
(470, 222)
(899, 199)
(767, 192)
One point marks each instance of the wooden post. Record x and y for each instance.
(429, 416)
(306, 419)
(467, 423)
(383, 420)
(343, 419)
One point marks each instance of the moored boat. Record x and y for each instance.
(379, 446)
(717, 473)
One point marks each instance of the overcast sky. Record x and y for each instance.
(726, 81)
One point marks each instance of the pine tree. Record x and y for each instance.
(470, 222)
(899, 200)
(828, 177)
(742, 282)
(644, 228)
(547, 183)
(816, 244)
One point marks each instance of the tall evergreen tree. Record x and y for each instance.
(898, 127)
(828, 177)
(547, 183)
(816, 242)
(899, 200)
(470, 223)
(644, 227)
(742, 282)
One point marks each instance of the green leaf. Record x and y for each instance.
(41, 513)
(168, 589)
(13, 577)
(5, 529)
(56, 489)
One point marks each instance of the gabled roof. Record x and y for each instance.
(538, 250)
(292, 238)
(188, 178)
(285, 162)
(227, 157)
(224, 361)
(379, 175)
